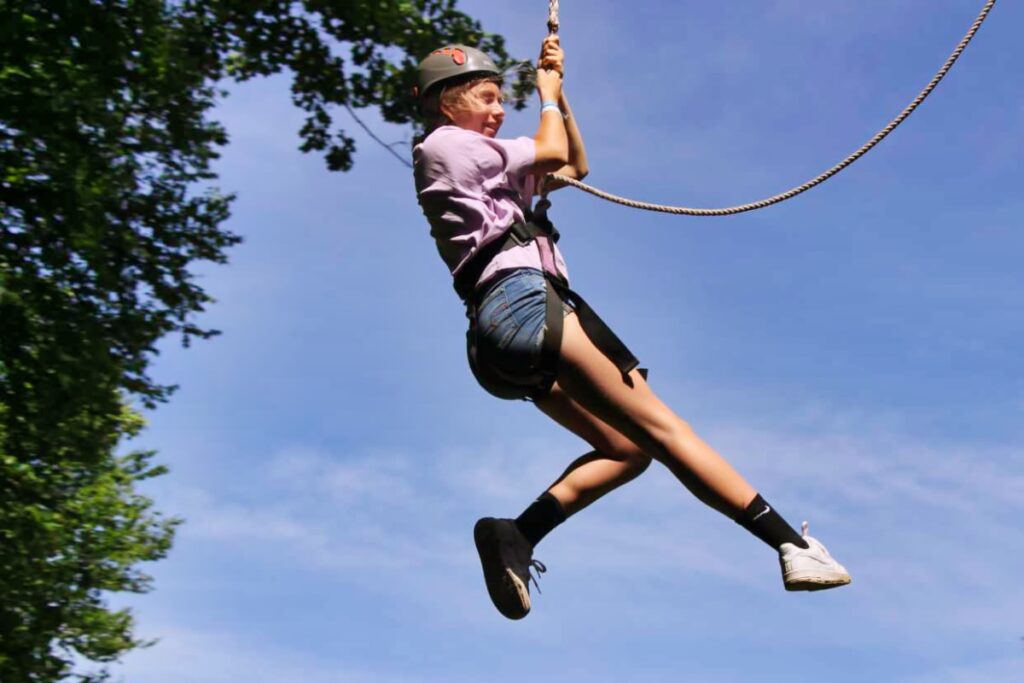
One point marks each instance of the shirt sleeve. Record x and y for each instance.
(478, 164)
(449, 157)
(521, 153)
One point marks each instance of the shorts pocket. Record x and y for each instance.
(487, 376)
(509, 324)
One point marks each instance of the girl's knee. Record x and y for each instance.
(668, 432)
(632, 456)
(639, 462)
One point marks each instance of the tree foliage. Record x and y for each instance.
(106, 206)
(103, 142)
(356, 53)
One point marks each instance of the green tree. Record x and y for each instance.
(106, 206)
(350, 53)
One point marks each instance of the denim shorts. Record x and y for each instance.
(509, 325)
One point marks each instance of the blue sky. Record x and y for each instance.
(854, 352)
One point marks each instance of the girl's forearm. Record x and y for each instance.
(552, 136)
(577, 151)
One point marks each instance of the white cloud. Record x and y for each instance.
(928, 530)
(188, 655)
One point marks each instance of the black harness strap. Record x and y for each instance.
(598, 331)
(518, 235)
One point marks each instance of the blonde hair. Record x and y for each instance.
(451, 96)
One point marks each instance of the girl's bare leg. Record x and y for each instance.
(628, 426)
(614, 461)
(632, 410)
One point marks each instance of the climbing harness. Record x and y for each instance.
(553, 25)
(538, 384)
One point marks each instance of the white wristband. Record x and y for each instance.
(550, 106)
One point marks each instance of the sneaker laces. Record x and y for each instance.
(804, 528)
(540, 568)
(521, 565)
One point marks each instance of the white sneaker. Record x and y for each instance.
(811, 568)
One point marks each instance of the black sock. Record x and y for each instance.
(763, 521)
(543, 515)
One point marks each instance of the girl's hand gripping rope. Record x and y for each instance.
(550, 68)
(552, 58)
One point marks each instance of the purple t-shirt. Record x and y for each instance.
(471, 189)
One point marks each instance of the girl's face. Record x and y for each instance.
(480, 109)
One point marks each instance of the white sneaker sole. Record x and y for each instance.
(521, 591)
(807, 581)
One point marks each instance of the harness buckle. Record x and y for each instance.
(541, 221)
(520, 234)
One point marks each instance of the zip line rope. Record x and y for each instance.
(728, 211)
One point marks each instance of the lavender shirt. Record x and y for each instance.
(471, 189)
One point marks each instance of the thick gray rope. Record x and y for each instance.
(553, 28)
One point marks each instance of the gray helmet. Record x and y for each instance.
(453, 61)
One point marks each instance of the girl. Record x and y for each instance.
(532, 337)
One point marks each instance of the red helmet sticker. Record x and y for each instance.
(457, 55)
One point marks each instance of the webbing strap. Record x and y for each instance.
(551, 346)
(598, 331)
(518, 234)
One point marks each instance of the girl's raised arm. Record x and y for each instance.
(559, 142)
